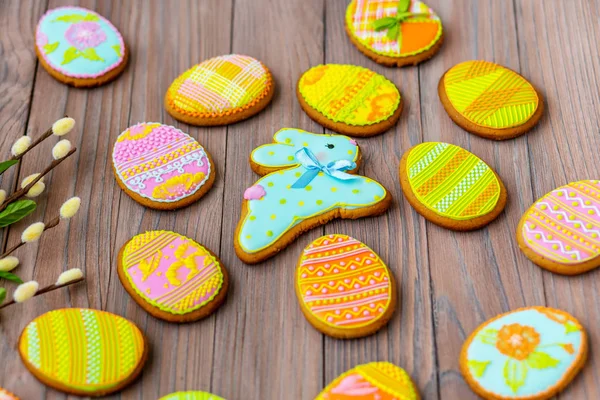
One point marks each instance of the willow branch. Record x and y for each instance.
(45, 290)
(21, 192)
(39, 140)
(49, 225)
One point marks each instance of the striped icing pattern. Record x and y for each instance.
(490, 95)
(218, 85)
(417, 34)
(564, 225)
(451, 181)
(376, 380)
(193, 395)
(349, 94)
(171, 271)
(343, 282)
(82, 349)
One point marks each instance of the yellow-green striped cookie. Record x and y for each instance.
(83, 352)
(450, 186)
(490, 100)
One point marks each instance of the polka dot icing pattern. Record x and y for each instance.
(81, 349)
(524, 352)
(219, 86)
(417, 34)
(376, 380)
(78, 42)
(160, 162)
(283, 207)
(490, 95)
(564, 225)
(451, 181)
(349, 94)
(342, 282)
(171, 271)
(191, 396)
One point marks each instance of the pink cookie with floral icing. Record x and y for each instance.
(79, 47)
(171, 276)
(161, 167)
(561, 231)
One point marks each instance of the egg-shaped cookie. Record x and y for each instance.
(375, 380)
(220, 91)
(192, 395)
(6, 395)
(171, 276)
(394, 32)
(344, 289)
(161, 167)
(79, 47)
(490, 100)
(561, 231)
(349, 99)
(531, 353)
(450, 186)
(83, 352)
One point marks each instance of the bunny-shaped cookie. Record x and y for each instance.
(309, 180)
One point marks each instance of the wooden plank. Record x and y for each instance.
(476, 275)
(559, 51)
(264, 347)
(398, 236)
(166, 38)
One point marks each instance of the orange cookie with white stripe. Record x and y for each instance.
(345, 290)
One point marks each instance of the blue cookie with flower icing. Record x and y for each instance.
(309, 179)
(529, 354)
(79, 47)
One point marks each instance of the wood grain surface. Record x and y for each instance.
(258, 346)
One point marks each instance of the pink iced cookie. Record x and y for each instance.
(561, 231)
(171, 276)
(161, 167)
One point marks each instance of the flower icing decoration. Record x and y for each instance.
(532, 351)
(255, 192)
(78, 42)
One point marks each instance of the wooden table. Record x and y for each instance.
(258, 346)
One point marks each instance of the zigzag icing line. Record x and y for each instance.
(364, 284)
(320, 296)
(339, 306)
(375, 263)
(576, 221)
(335, 256)
(560, 244)
(582, 203)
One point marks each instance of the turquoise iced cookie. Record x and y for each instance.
(309, 180)
(530, 354)
(79, 47)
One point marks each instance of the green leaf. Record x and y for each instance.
(10, 277)
(70, 54)
(540, 360)
(117, 49)
(489, 336)
(393, 32)
(403, 6)
(50, 47)
(90, 54)
(571, 327)
(384, 23)
(2, 295)
(478, 367)
(6, 165)
(91, 17)
(16, 211)
(515, 373)
(69, 18)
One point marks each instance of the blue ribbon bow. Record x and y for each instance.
(335, 169)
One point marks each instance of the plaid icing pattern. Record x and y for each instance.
(368, 11)
(220, 84)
